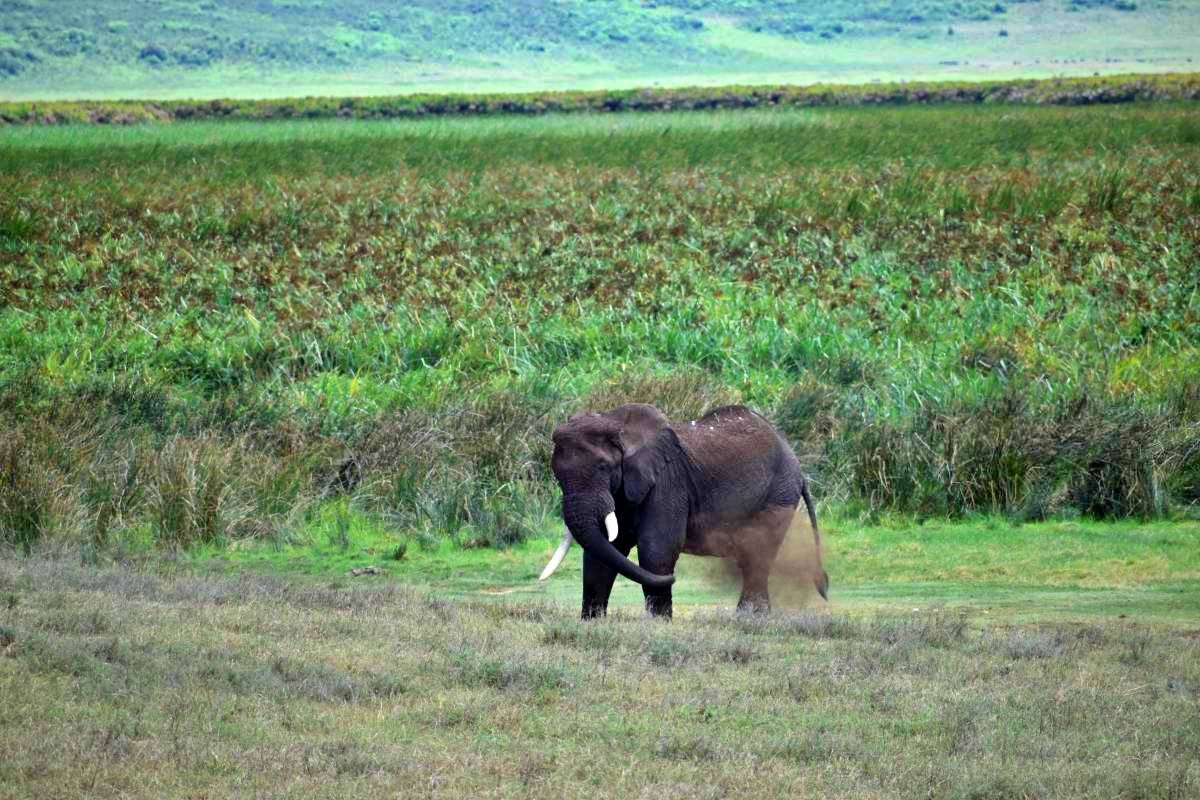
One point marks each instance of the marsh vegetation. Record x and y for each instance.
(210, 330)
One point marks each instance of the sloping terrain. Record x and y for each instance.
(60, 48)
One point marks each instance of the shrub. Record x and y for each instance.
(808, 417)
(1096, 456)
(504, 435)
(500, 519)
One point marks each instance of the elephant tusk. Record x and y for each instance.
(557, 558)
(610, 523)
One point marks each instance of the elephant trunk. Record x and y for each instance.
(594, 531)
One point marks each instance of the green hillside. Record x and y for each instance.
(172, 48)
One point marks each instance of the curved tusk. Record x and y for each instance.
(557, 558)
(610, 523)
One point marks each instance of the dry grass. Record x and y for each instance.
(138, 685)
(79, 477)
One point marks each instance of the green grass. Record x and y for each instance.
(238, 362)
(762, 140)
(988, 568)
(948, 311)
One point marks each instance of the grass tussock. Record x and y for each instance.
(194, 499)
(1011, 454)
(683, 394)
(38, 499)
(76, 478)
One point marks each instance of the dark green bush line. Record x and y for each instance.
(482, 465)
(1082, 454)
(1055, 91)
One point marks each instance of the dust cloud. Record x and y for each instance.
(794, 573)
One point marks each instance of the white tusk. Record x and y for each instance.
(610, 522)
(557, 558)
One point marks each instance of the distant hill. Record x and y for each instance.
(173, 48)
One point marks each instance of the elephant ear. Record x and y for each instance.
(640, 423)
(640, 475)
(641, 470)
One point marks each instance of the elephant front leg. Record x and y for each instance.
(598, 580)
(658, 601)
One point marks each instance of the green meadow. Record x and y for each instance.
(987, 569)
(126, 682)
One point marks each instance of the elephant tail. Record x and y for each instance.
(823, 576)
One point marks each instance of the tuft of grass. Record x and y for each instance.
(664, 651)
(681, 394)
(474, 669)
(1030, 645)
(194, 497)
(1108, 190)
(325, 684)
(39, 501)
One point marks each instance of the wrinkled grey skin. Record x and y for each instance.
(724, 485)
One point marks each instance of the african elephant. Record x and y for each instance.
(724, 485)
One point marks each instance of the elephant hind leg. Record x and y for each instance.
(756, 597)
(757, 545)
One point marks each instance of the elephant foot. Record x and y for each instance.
(595, 611)
(754, 605)
(659, 607)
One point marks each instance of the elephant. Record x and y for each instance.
(725, 485)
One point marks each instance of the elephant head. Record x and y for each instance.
(594, 462)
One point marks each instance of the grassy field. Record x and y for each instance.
(947, 310)
(238, 361)
(133, 684)
(176, 49)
